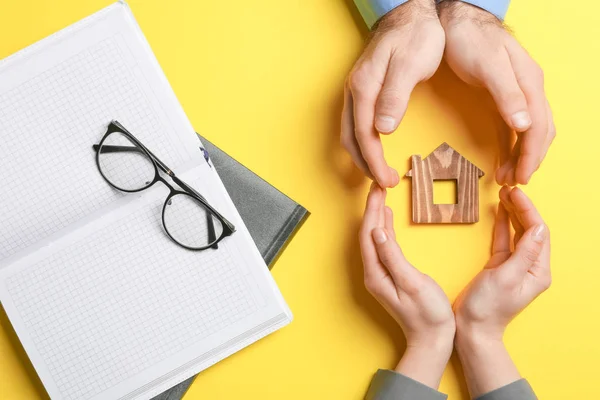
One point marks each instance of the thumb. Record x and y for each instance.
(508, 96)
(528, 250)
(393, 98)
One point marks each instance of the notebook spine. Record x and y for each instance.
(284, 236)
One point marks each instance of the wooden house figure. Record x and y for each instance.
(444, 163)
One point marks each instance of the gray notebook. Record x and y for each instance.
(271, 217)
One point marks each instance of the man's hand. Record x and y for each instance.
(509, 282)
(406, 48)
(415, 301)
(481, 52)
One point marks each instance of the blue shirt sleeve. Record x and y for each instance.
(496, 7)
(372, 10)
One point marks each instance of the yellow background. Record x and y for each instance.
(263, 80)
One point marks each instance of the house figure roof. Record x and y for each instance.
(444, 154)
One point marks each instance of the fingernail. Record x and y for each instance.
(379, 236)
(385, 124)
(539, 233)
(521, 120)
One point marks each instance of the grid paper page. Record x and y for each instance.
(104, 303)
(49, 124)
(104, 309)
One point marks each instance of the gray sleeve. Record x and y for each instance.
(518, 390)
(390, 385)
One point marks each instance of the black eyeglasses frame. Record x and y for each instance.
(115, 126)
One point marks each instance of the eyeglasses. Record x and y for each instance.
(127, 165)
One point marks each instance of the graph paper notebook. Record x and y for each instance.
(105, 305)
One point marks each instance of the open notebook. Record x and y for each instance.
(105, 305)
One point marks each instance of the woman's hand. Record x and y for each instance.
(510, 281)
(406, 48)
(483, 53)
(415, 301)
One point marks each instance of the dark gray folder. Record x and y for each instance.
(271, 217)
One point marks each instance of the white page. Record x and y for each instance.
(56, 100)
(107, 306)
(115, 304)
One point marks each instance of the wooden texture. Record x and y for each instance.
(444, 163)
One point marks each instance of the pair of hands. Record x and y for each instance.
(406, 48)
(514, 276)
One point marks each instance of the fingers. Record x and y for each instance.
(364, 91)
(381, 254)
(529, 217)
(501, 243)
(551, 130)
(376, 276)
(534, 141)
(530, 78)
(373, 269)
(506, 139)
(389, 222)
(501, 82)
(405, 276)
(394, 95)
(506, 173)
(528, 251)
(347, 139)
(526, 212)
(510, 208)
(525, 250)
(533, 244)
